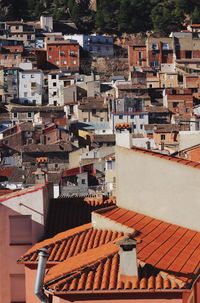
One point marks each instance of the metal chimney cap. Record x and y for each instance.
(43, 252)
(127, 244)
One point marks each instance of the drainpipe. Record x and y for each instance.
(39, 292)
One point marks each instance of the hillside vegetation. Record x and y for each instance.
(112, 16)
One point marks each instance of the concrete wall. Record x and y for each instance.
(188, 139)
(157, 187)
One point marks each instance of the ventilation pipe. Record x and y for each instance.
(39, 292)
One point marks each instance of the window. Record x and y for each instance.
(25, 85)
(5, 56)
(188, 54)
(165, 46)
(29, 115)
(120, 116)
(94, 111)
(101, 119)
(16, 27)
(154, 46)
(141, 116)
(140, 55)
(175, 104)
(54, 83)
(25, 94)
(20, 230)
(162, 137)
(32, 76)
(56, 165)
(33, 84)
(83, 181)
(141, 126)
(32, 94)
(15, 115)
(23, 76)
(29, 37)
(17, 281)
(54, 93)
(132, 116)
(53, 76)
(54, 103)
(66, 83)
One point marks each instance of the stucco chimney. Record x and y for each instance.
(128, 267)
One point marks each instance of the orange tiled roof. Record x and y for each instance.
(98, 270)
(123, 125)
(94, 201)
(70, 243)
(163, 245)
(166, 157)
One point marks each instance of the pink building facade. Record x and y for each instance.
(22, 218)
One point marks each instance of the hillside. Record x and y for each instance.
(112, 16)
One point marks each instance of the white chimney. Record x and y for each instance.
(128, 267)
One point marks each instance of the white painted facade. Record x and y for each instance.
(96, 44)
(31, 87)
(157, 187)
(56, 87)
(138, 120)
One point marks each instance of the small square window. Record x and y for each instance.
(29, 115)
(32, 76)
(162, 137)
(53, 76)
(120, 116)
(83, 181)
(20, 230)
(132, 117)
(142, 116)
(54, 83)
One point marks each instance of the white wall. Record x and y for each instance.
(188, 139)
(26, 90)
(158, 187)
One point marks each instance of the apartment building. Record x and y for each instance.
(58, 83)
(99, 45)
(30, 87)
(64, 54)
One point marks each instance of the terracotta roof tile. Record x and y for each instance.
(71, 243)
(161, 244)
(98, 270)
(169, 158)
(95, 201)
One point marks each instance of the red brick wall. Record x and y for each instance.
(184, 102)
(67, 60)
(133, 56)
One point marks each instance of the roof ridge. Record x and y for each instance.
(76, 263)
(166, 157)
(55, 239)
